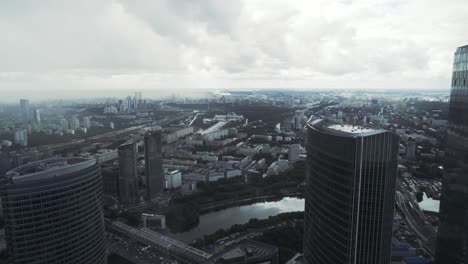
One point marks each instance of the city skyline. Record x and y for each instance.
(245, 131)
(223, 149)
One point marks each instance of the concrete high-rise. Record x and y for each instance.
(86, 122)
(350, 194)
(294, 151)
(74, 123)
(64, 124)
(21, 137)
(154, 172)
(411, 149)
(53, 212)
(452, 237)
(128, 177)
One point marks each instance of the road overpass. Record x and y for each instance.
(174, 248)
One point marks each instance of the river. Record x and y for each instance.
(429, 204)
(223, 219)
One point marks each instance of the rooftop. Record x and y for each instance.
(343, 129)
(462, 49)
(351, 129)
(250, 249)
(49, 168)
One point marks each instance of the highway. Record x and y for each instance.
(170, 247)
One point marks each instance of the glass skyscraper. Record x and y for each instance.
(24, 107)
(154, 172)
(350, 194)
(128, 177)
(452, 237)
(53, 212)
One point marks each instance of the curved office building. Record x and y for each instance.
(350, 195)
(452, 236)
(53, 212)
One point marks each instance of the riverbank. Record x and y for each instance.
(213, 221)
(227, 193)
(226, 204)
(283, 231)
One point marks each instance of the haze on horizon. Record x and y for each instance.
(51, 48)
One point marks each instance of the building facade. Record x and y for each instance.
(24, 108)
(21, 137)
(350, 194)
(154, 172)
(452, 237)
(37, 116)
(86, 122)
(128, 177)
(53, 212)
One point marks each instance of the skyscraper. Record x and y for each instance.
(53, 212)
(128, 178)
(350, 194)
(37, 116)
(452, 237)
(153, 163)
(24, 107)
(129, 103)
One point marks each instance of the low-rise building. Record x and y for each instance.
(104, 155)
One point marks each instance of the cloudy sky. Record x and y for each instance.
(56, 45)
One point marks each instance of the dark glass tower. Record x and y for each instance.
(350, 195)
(128, 177)
(452, 237)
(53, 212)
(154, 163)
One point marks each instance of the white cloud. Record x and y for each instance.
(158, 44)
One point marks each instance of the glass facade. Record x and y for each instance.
(452, 237)
(128, 181)
(54, 217)
(350, 194)
(154, 163)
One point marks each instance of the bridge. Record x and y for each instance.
(176, 249)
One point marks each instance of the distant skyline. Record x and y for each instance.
(61, 49)
(43, 96)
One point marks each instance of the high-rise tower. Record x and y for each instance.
(452, 237)
(350, 194)
(128, 178)
(37, 116)
(153, 163)
(53, 212)
(24, 107)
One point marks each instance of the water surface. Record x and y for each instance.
(429, 204)
(223, 219)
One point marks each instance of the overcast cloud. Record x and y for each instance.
(166, 44)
